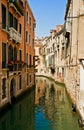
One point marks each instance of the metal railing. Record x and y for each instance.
(15, 67)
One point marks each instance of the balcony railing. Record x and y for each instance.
(17, 5)
(16, 65)
(14, 35)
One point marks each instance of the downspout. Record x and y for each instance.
(71, 36)
(78, 15)
(78, 62)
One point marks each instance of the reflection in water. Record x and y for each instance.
(45, 108)
(53, 110)
(20, 116)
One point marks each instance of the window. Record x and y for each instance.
(40, 51)
(14, 53)
(33, 26)
(10, 53)
(20, 82)
(58, 53)
(20, 28)
(15, 23)
(27, 79)
(63, 72)
(20, 1)
(3, 88)
(29, 38)
(62, 53)
(53, 46)
(33, 61)
(27, 58)
(26, 16)
(26, 36)
(3, 17)
(33, 43)
(3, 55)
(30, 60)
(20, 55)
(30, 21)
(20, 58)
(10, 20)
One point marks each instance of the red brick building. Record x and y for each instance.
(17, 72)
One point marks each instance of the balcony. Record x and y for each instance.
(14, 35)
(17, 5)
(16, 65)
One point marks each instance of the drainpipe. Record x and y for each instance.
(78, 63)
(77, 34)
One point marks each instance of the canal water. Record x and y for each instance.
(45, 108)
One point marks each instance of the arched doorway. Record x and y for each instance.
(12, 88)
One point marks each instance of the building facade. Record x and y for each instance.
(54, 54)
(74, 22)
(17, 72)
(39, 60)
(63, 53)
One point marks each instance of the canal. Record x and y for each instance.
(45, 108)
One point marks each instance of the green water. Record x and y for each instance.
(45, 108)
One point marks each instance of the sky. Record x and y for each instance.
(48, 14)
